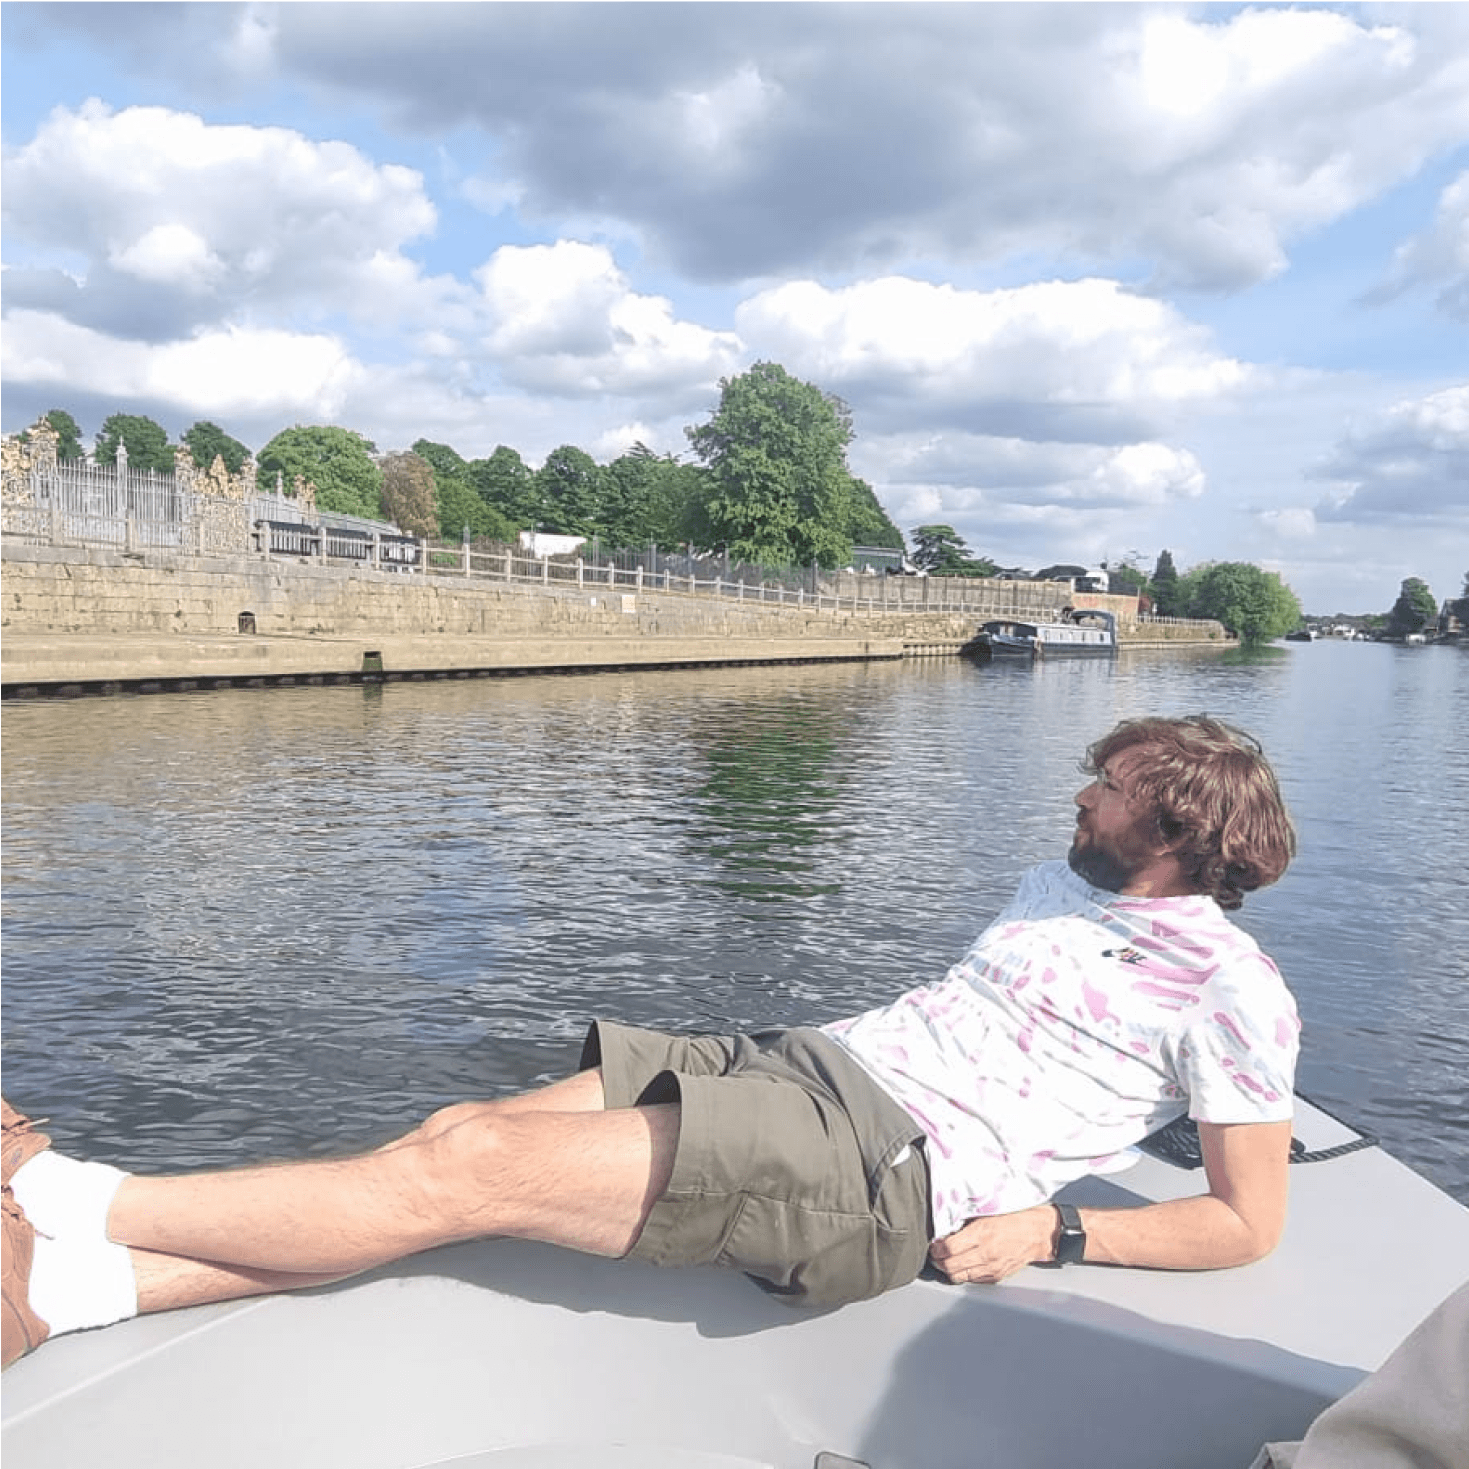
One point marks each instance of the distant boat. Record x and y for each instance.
(1082, 633)
(1300, 635)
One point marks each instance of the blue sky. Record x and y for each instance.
(1095, 280)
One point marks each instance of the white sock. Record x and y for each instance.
(79, 1283)
(66, 1198)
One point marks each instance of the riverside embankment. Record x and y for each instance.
(98, 620)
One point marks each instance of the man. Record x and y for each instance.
(1110, 996)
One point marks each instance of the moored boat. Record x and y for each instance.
(1082, 632)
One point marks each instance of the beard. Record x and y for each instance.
(1105, 867)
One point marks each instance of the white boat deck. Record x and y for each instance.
(503, 1354)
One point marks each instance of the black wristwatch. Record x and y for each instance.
(1071, 1243)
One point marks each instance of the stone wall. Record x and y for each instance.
(55, 590)
(58, 592)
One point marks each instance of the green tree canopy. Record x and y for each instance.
(1254, 605)
(870, 524)
(146, 441)
(778, 488)
(461, 507)
(1167, 601)
(649, 497)
(336, 460)
(407, 494)
(940, 551)
(445, 462)
(1414, 609)
(570, 482)
(68, 434)
(207, 441)
(506, 483)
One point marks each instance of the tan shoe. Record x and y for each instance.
(21, 1330)
(19, 1141)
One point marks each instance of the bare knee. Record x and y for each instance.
(436, 1124)
(460, 1167)
(581, 1092)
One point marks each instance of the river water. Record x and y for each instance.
(255, 924)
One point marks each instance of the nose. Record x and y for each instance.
(1084, 796)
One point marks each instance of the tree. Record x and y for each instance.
(940, 551)
(870, 524)
(508, 484)
(1414, 610)
(1167, 600)
(336, 460)
(207, 441)
(570, 483)
(461, 507)
(407, 494)
(650, 497)
(1460, 606)
(146, 441)
(68, 435)
(1254, 605)
(778, 487)
(1128, 580)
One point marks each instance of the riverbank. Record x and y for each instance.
(96, 621)
(36, 665)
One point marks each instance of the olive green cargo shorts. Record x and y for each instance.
(792, 1164)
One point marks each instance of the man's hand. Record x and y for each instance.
(989, 1249)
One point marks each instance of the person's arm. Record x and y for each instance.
(1239, 1220)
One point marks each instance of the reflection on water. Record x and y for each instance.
(772, 800)
(252, 924)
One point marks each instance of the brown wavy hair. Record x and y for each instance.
(1213, 797)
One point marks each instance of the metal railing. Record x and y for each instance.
(800, 588)
(77, 503)
(80, 503)
(382, 550)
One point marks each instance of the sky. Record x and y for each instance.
(1095, 280)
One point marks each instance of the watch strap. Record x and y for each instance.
(1071, 1242)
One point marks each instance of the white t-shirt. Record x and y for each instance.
(1080, 1021)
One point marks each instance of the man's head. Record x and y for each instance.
(1192, 796)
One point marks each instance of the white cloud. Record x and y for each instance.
(257, 217)
(250, 49)
(1294, 524)
(969, 470)
(170, 253)
(1411, 464)
(1439, 256)
(621, 437)
(221, 373)
(1079, 360)
(713, 124)
(564, 318)
(749, 141)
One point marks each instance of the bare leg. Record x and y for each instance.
(580, 1177)
(166, 1282)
